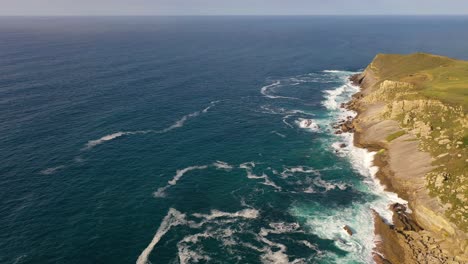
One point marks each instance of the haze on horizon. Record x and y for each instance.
(229, 7)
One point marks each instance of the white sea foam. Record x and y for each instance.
(288, 172)
(314, 179)
(278, 134)
(161, 192)
(246, 213)
(281, 228)
(328, 223)
(223, 165)
(309, 245)
(308, 124)
(177, 124)
(212, 104)
(265, 89)
(275, 252)
(190, 248)
(187, 254)
(173, 218)
(250, 175)
(93, 143)
(328, 186)
(331, 102)
(362, 160)
(215, 226)
(52, 170)
(267, 109)
(268, 91)
(338, 149)
(181, 173)
(188, 251)
(285, 121)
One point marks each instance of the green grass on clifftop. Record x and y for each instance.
(438, 77)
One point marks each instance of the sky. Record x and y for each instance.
(231, 7)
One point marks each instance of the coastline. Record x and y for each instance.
(419, 233)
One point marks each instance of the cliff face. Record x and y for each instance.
(413, 110)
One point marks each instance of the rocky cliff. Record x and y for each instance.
(412, 109)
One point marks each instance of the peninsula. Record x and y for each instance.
(412, 110)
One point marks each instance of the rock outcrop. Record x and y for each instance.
(425, 159)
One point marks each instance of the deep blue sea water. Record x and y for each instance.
(191, 139)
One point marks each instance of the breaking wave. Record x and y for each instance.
(328, 223)
(309, 124)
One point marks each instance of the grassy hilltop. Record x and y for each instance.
(435, 76)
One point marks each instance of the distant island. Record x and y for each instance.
(412, 110)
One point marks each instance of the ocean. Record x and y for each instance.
(192, 139)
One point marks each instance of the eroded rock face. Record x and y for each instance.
(407, 242)
(433, 234)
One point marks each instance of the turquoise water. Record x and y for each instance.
(185, 140)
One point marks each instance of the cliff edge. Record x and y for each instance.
(412, 109)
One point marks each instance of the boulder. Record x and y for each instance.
(348, 230)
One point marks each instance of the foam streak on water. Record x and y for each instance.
(173, 218)
(177, 124)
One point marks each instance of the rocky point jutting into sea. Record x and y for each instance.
(412, 110)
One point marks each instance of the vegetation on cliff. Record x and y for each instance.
(414, 109)
(428, 96)
(435, 77)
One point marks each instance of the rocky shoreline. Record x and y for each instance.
(425, 235)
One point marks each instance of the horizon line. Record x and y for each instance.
(243, 15)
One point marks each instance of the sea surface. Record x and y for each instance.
(192, 139)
